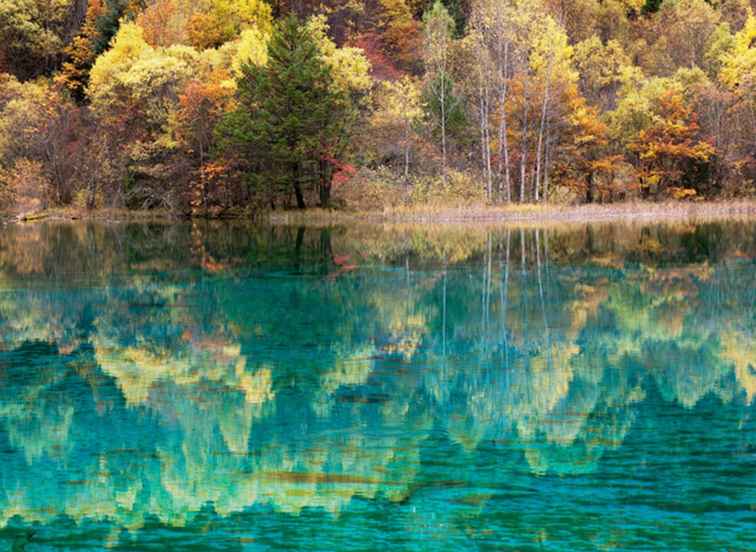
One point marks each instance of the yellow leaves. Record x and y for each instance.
(681, 193)
(588, 127)
(668, 142)
(163, 22)
(150, 73)
(636, 5)
(226, 19)
(81, 52)
(350, 69)
(251, 48)
(401, 32)
(183, 53)
(739, 66)
(250, 13)
(133, 74)
(257, 387)
(205, 31)
(26, 112)
(438, 37)
(400, 102)
(607, 164)
(599, 65)
(128, 46)
(703, 151)
(136, 87)
(25, 185)
(552, 54)
(741, 351)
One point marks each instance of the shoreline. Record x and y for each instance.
(484, 214)
(530, 213)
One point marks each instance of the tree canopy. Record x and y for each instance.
(205, 106)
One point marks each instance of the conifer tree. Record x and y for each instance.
(652, 6)
(288, 115)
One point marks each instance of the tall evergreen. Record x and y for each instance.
(287, 115)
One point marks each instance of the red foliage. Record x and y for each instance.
(342, 171)
(382, 67)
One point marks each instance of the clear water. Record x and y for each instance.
(206, 387)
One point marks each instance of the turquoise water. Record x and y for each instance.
(218, 387)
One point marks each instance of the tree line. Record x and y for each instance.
(210, 106)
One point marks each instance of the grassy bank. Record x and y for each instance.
(527, 213)
(103, 215)
(483, 214)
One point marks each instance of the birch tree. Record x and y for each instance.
(400, 110)
(438, 37)
(551, 63)
(482, 90)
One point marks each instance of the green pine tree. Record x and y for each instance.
(287, 116)
(109, 22)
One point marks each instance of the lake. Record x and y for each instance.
(206, 386)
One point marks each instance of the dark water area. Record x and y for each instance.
(220, 387)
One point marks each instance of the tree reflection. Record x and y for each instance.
(149, 371)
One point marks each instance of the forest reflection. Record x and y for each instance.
(149, 370)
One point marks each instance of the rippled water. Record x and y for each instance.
(223, 387)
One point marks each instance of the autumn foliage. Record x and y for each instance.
(210, 107)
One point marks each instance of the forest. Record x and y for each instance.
(213, 107)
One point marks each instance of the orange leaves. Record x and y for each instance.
(607, 163)
(670, 146)
(201, 105)
(588, 129)
(211, 191)
(401, 33)
(81, 53)
(25, 186)
(161, 23)
(213, 172)
(205, 30)
(204, 99)
(587, 164)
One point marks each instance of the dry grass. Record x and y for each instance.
(477, 215)
(104, 215)
(527, 213)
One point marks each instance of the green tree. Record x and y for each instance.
(288, 116)
(652, 6)
(458, 11)
(33, 34)
(110, 20)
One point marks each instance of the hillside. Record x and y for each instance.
(203, 107)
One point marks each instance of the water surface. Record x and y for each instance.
(215, 386)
